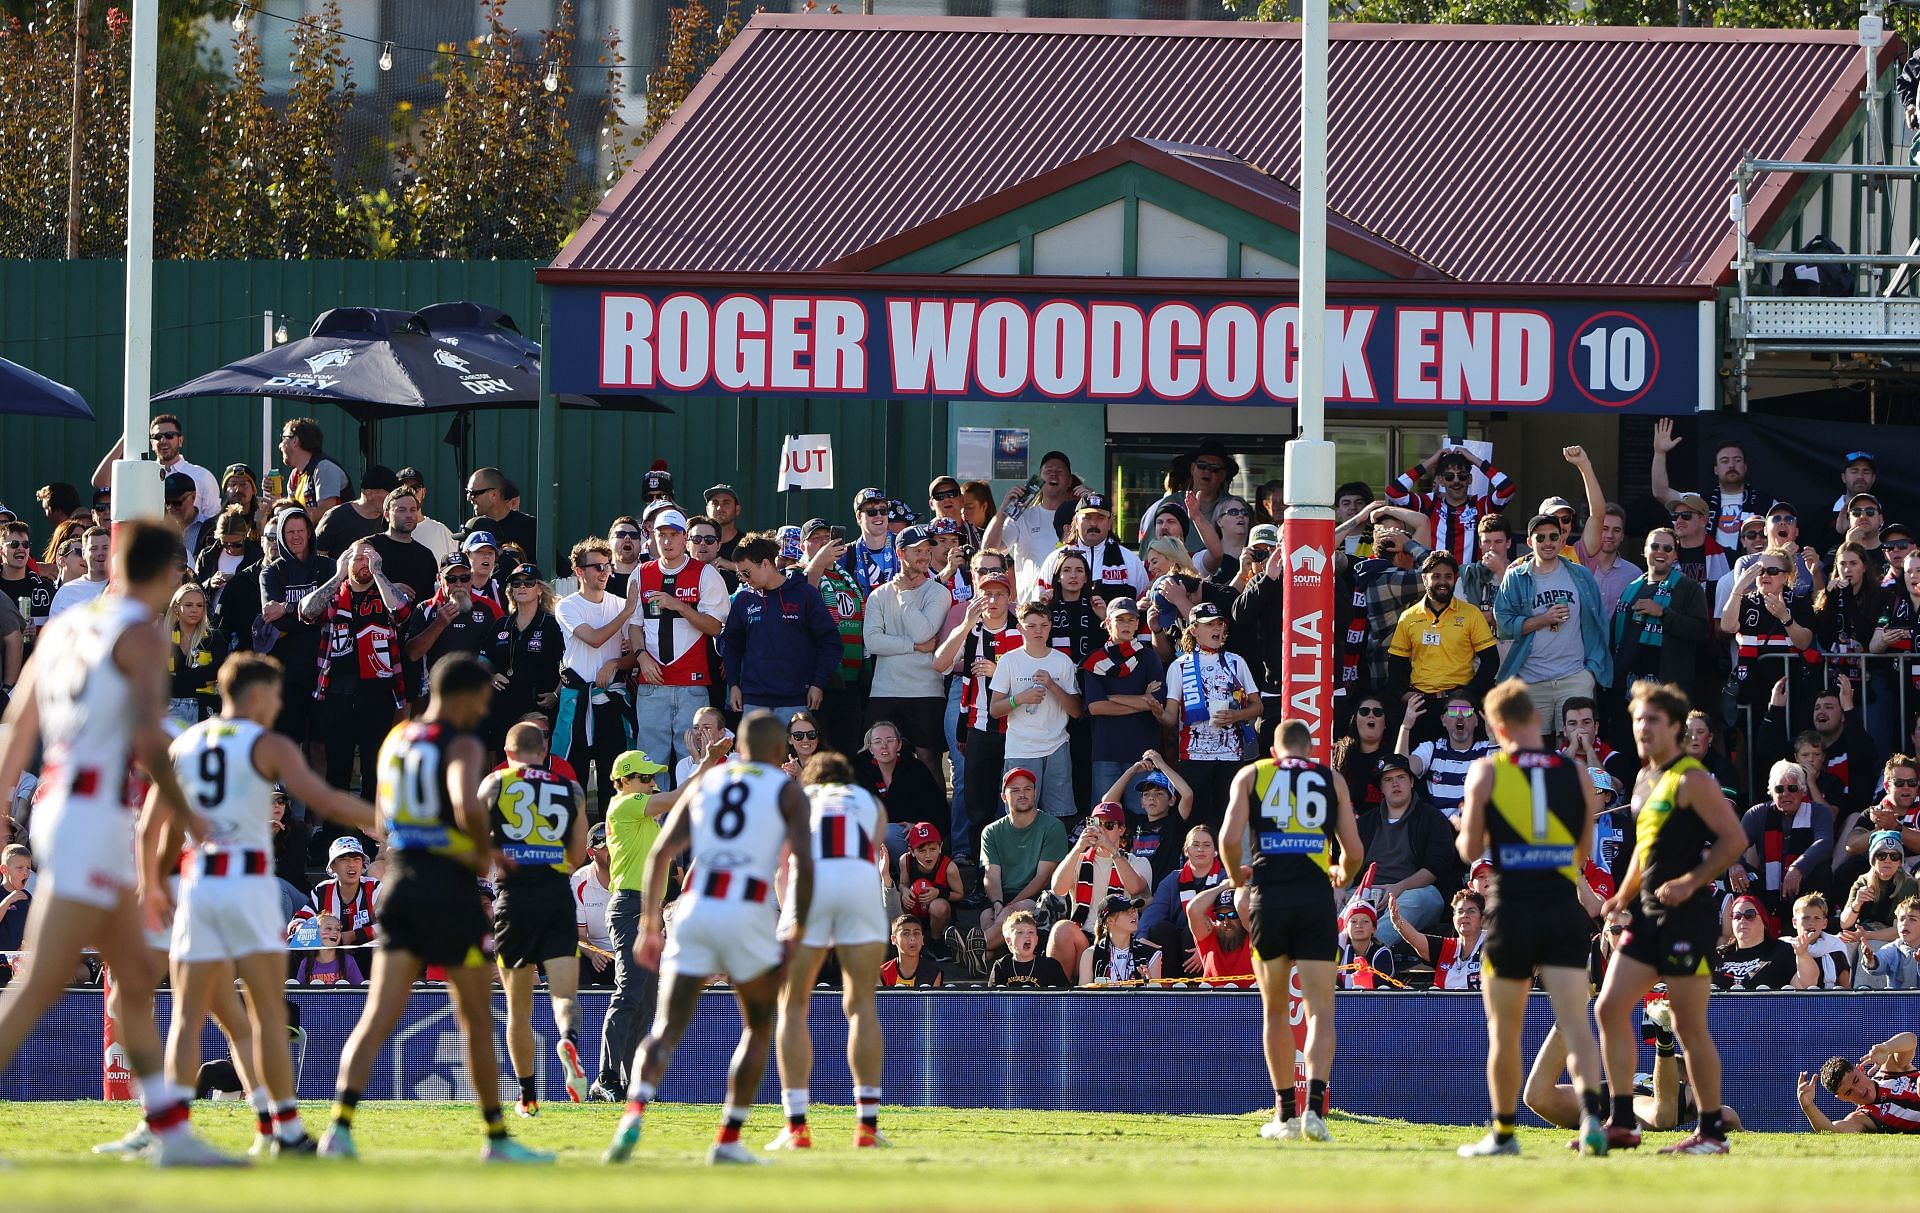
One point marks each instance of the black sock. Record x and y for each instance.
(1317, 1096)
(1286, 1100)
(1623, 1117)
(1606, 1097)
(1503, 1126)
(529, 1090)
(1593, 1103)
(345, 1100)
(1711, 1125)
(263, 1122)
(496, 1123)
(797, 1122)
(571, 1036)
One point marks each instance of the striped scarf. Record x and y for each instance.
(1114, 660)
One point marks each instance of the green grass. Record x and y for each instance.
(422, 1156)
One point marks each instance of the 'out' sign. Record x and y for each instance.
(806, 462)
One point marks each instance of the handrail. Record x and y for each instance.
(1839, 259)
(1755, 167)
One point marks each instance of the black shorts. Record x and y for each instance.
(1294, 921)
(922, 722)
(1678, 943)
(431, 909)
(533, 921)
(1526, 933)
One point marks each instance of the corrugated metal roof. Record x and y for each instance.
(1564, 155)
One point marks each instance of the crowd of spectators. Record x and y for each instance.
(1052, 714)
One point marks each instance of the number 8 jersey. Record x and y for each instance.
(735, 823)
(1293, 819)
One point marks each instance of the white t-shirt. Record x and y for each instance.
(1225, 682)
(435, 537)
(590, 900)
(75, 593)
(1035, 730)
(575, 612)
(1830, 959)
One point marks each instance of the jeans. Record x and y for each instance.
(635, 991)
(954, 731)
(1055, 789)
(986, 760)
(785, 714)
(1104, 773)
(1422, 908)
(661, 717)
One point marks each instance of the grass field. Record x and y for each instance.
(421, 1156)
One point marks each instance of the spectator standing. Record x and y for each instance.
(1846, 612)
(629, 551)
(1116, 570)
(168, 438)
(723, 507)
(361, 518)
(291, 571)
(1036, 690)
(1440, 645)
(314, 479)
(408, 562)
(1732, 497)
(1443, 761)
(1661, 624)
(360, 613)
(681, 602)
(429, 531)
(1452, 507)
(1783, 532)
(451, 621)
(1857, 476)
(527, 653)
(1410, 845)
(1025, 525)
(872, 559)
(221, 561)
(26, 597)
(489, 580)
(779, 644)
(841, 708)
(1770, 626)
(1358, 753)
(1866, 516)
(1550, 609)
(902, 630)
(492, 496)
(182, 514)
(98, 543)
(703, 540)
(1384, 586)
(1699, 555)
(591, 725)
(1018, 853)
(946, 499)
(1611, 571)
(972, 650)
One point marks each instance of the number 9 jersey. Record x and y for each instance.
(1294, 820)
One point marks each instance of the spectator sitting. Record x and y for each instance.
(1119, 956)
(930, 883)
(1410, 845)
(1443, 762)
(1456, 961)
(1220, 936)
(17, 905)
(903, 784)
(348, 897)
(1157, 831)
(290, 834)
(709, 727)
(194, 657)
(1363, 960)
(1867, 918)
(1022, 968)
(1898, 812)
(1789, 842)
(1165, 919)
(909, 967)
(1895, 965)
(803, 742)
(1832, 966)
(330, 964)
(1102, 867)
(1018, 854)
(1755, 960)
(592, 885)
(1703, 740)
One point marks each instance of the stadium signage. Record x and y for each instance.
(1541, 356)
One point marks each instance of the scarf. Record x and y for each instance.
(1651, 629)
(368, 636)
(1074, 626)
(1114, 660)
(1194, 712)
(1191, 884)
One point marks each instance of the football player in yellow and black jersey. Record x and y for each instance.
(438, 843)
(1685, 835)
(540, 830)
(1532, 811)
(1297, 810)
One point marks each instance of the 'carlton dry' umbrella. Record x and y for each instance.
(25, 393)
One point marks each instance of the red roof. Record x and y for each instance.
(1526, 155)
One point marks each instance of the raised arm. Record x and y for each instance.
(1596, 496)
(1663, 441)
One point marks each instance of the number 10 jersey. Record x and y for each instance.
(1293, 820)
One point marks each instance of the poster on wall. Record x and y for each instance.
(806, 462)
(1010, 453)
(973, 453)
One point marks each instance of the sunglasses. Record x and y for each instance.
(71, 549)
(804, 735)
(626, 535)
(1897, 545)
(1455, 475)
(1887, 857)
(1781, 789)
(703, 539)
(1745, 915)
(1209, 466)
(878, 511)
(14, 543)
(1865, 511)
(1369, 711)
(1906, 783)
(595, 566)
(1771, 570)
(472, 493)
(163, 434)
(1780, 518)
(456, 578)
(946, 494)
(1460, 713)
(233, 545)
(1684, 515)
(520, 583)
(1659, 547)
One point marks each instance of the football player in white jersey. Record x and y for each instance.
(849, 914)
(229, 918)
(738, 819)
(94, 696)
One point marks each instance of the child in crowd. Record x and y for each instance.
(331, 964)
(1364, 961)
(909, 967)
(1023, 968)
(930, 882)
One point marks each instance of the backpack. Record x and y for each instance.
(1810, 279)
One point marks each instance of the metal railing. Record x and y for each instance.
(1833, 663)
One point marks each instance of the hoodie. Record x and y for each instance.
(284, 577)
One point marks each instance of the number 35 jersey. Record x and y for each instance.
(532, 812)
(214, 760)
(1293, 820)
(735, 823)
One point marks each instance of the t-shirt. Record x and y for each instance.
(13, 928)
(1705, 562)
(322, 478)
(408, 563)
(1035, 730)
(1769, 964)
(1557, 651)
(926, 975)
(1041, 973)
(33, 586)
(575, 612)
(630, 838)
(1216, 961)
(343, 527)
(1158, 842)
(1224, 681)
(75, 593)
(1830, 959)
(1446, 770)
(1123, 739)
(590, 901)
(1019, 853)
(516, 528)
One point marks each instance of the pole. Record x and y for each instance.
(136, 482)
(546, 465)
(266, 406)
(1307, 666)
(76, 136)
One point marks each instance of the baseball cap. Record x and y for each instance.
(526, 570)
(456, 560)
(1050, 456)
(178, 485)
(1206, 610)
(1782, 507)
(1395, 762)
(657, 481)
(1850, 500)
(1885, 840)
(346, 844)
(866, 495)
(672, 518)
(911, 536)
(1019, 773)
(1223, 906)
(920, 833)
(900, 511)
(789, 540)
(1000, 579)
(1119, 903)
(1747, 520)
(476, 540)
(597, 835)
(934, 487)
(942, 526)
(1123, 606)
(717, 490)
(1896, 528)
(1692, 501)
(1479, 866)
(1094, 503)
(811, 525)
(1110, 811)
(406, 475)
(1154, 779)
(379, 476)
(1865, 457)
(1554, 504)
(1266, 535)
(634, 762)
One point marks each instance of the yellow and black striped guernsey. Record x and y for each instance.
(1535, 814)
(1669, 839)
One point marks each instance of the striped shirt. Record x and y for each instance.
(1453, 525)
(1895, 1107)
(1446, 770)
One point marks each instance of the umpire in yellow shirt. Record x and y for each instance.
(1440, 645)
(633, 823)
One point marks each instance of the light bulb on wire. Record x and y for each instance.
(386, 57)
(280, 334)
(240, 20)
(552, 82)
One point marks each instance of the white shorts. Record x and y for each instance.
(160, 939)
(227, 917)
(848, 907)
(716, 935)
(84, 852)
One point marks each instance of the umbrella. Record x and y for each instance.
(487, 328)
(28, 393)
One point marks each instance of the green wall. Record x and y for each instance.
(65, 320)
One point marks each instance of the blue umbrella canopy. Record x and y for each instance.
(25, 393)
(479, 326)
(373, 363)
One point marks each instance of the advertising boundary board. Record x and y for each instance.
(889, 342)
(1415, 1056)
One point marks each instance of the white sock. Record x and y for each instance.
(640, 1092)
(866, 1102)
(287, 1125)
(793, 1101)
(259, 1100)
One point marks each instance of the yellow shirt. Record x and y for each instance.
(630, 838)
(1441, 647)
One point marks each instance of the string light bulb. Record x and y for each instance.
(386, 57)
(280, 334)
(552, 82)
(240, 20)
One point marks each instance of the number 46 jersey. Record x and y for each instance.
(735, 822)
(1294, 820)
